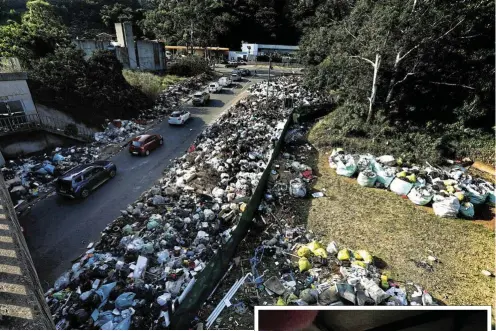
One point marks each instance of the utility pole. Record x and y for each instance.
(270, 65)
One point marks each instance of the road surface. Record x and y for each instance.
(58, 230)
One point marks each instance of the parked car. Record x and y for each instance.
(225, 81)
(232, 64)
(214, 87)
(200, 98)
(236, 76)
(245, 72)
(179, 117)
(145, 143)
(81, 180)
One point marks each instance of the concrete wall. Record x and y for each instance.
(58, 115)
(25, 143)
(90, 46)
(125, 37)
(151, 55)
(13, 87)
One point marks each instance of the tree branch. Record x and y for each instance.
(404, 78)
(365, 59)
(457, 24)
(451, 84)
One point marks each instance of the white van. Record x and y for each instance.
(225, 81)
(214, 87)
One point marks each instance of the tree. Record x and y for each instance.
(405, 57)
(38, 34)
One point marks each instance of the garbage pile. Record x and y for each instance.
(146, 260)
(280, 262)
(170, 99)
(291, 88)
(451, 191)
(26, 178)
(118, 131)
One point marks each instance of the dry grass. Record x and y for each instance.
(397, 231)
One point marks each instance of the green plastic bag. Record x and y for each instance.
(304, 264)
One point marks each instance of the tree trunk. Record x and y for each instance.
(392, 82)
(374, 88)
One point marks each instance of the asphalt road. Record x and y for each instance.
(58, 230)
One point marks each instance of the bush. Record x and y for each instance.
(189, 66)
(345, 128)
(90, 91)
(148, 83)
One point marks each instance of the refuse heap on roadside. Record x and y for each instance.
(284, 263)
(26, 178)
(170, 99)
(451, 190)
(146, 260)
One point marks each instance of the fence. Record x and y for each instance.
(32, 122)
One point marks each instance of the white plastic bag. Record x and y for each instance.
(297, 188)
(491, 198)
(387, 160)
(367, 178)
(365, 162)
(346, 168)
(446, 206)
(420, 196)
(400, 187)
(385, 175)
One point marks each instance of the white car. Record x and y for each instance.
(225, 81)
(214, 87)
(179, 117)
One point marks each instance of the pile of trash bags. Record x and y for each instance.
(27, 178)
(146, 260)
(287, 264)
(118, 131)
(171, 98)
(292, 87)
(451, 191)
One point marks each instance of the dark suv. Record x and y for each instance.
(82, 179)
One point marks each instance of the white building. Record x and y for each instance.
(254, 50)
(15, 96)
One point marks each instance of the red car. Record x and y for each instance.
(144, 144)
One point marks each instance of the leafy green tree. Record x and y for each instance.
(38, 34)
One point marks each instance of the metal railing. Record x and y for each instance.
(33, 122)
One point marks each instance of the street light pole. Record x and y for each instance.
(270, 65)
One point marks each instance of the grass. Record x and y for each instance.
(398, 232)
(149, 83)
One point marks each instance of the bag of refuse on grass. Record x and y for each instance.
(387, 160)
(304, 264)
(400, 186)
(420, 196)
(297, 188)
(303, 251)
(125, 300)
(367, 178)
(336, 153)
(446, 206)
(363, 255)
(467, 209)
(346, 167)
(320, 252)
(385, 175)
(491, 198)
(476, 193)
(344, 254)
(365, 162)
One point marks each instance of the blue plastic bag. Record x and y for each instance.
(57, 157)
(125, 324)
(104, 292)
(125, 300)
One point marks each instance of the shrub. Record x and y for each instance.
(148, 83)
(189, 66)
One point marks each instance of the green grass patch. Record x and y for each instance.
(149, 83)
